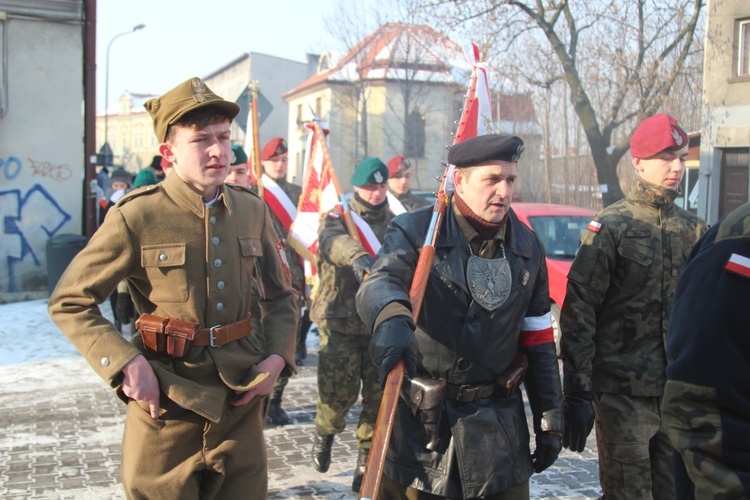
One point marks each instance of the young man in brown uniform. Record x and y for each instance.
(189, 252)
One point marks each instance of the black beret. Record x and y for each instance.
(483, 148)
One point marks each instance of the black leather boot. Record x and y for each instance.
(321, 451)
(359, 470)
(276, 414)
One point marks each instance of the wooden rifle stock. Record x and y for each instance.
(257, 167)
(392, 390)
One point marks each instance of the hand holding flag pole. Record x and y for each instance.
(476, 119)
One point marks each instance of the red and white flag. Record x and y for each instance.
(738, 264)
(394, 205)
(476, 118)
(279, 202)
(366, 236)
(318, 197)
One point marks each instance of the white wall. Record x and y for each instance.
(41, 148)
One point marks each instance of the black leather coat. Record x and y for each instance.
(484, 444)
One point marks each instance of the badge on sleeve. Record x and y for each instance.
(738, 264)
(594, 226)
(284, 262)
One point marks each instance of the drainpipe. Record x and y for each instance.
(89, 119)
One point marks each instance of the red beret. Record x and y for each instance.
(274, 147)
(655, 134)
(398, 164)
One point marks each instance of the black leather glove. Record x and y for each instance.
(579, 419)
(124, 308)
(392, 341)
(361, 266)
(548, 447)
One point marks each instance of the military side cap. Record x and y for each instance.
(655, 134)
(190, 95)
(238, 155)
(274, 147)
(370, 171)
(484, 148)
(398, 164)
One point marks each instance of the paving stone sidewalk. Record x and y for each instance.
(62, 439)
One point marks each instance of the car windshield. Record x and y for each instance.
(560, 233)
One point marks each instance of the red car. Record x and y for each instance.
(560, 228)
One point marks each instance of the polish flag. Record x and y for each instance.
(279, 202)
(366, 236)
(318, 197)
(738, 264)
(476, 118)
(594, 226)
(394, 205)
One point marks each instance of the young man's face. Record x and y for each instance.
(238, 175)
(400, 183)
(487, 189)
(200, 157)
(665, 169)
(276, 166)
(374, 194)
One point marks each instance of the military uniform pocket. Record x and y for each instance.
(164, 265)
(634, 262)
(250, 250)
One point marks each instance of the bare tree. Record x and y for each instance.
(620, 59)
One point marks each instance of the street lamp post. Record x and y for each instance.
(106, 86)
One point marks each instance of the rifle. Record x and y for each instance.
(320, 136)
(254, 87)
(392, 390)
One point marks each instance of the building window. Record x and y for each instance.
(319, 107)
(743, 52)
(299, 114)
(414, 137)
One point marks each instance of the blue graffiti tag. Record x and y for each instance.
(12, 208)
(8, 165)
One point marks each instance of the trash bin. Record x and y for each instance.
(60, 251)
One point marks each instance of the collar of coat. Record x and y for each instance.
(176, 188)
(652, 194)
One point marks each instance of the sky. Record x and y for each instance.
(186, 38)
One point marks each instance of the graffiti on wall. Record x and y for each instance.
(27, 217)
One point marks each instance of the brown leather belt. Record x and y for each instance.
(219, 335)
(469, 392)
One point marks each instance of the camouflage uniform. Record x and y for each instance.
(614, 321)
(343, 358)
(410, 201)
(706, 403)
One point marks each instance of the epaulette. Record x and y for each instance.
(143, 190)
(239, 187)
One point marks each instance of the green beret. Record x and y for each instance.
(238, 155)
(145, 177)
(189, 95)
(370, 171)
(484, 148)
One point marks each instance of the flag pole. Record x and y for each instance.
(321, 138)
(392, 389)
(254, 88)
